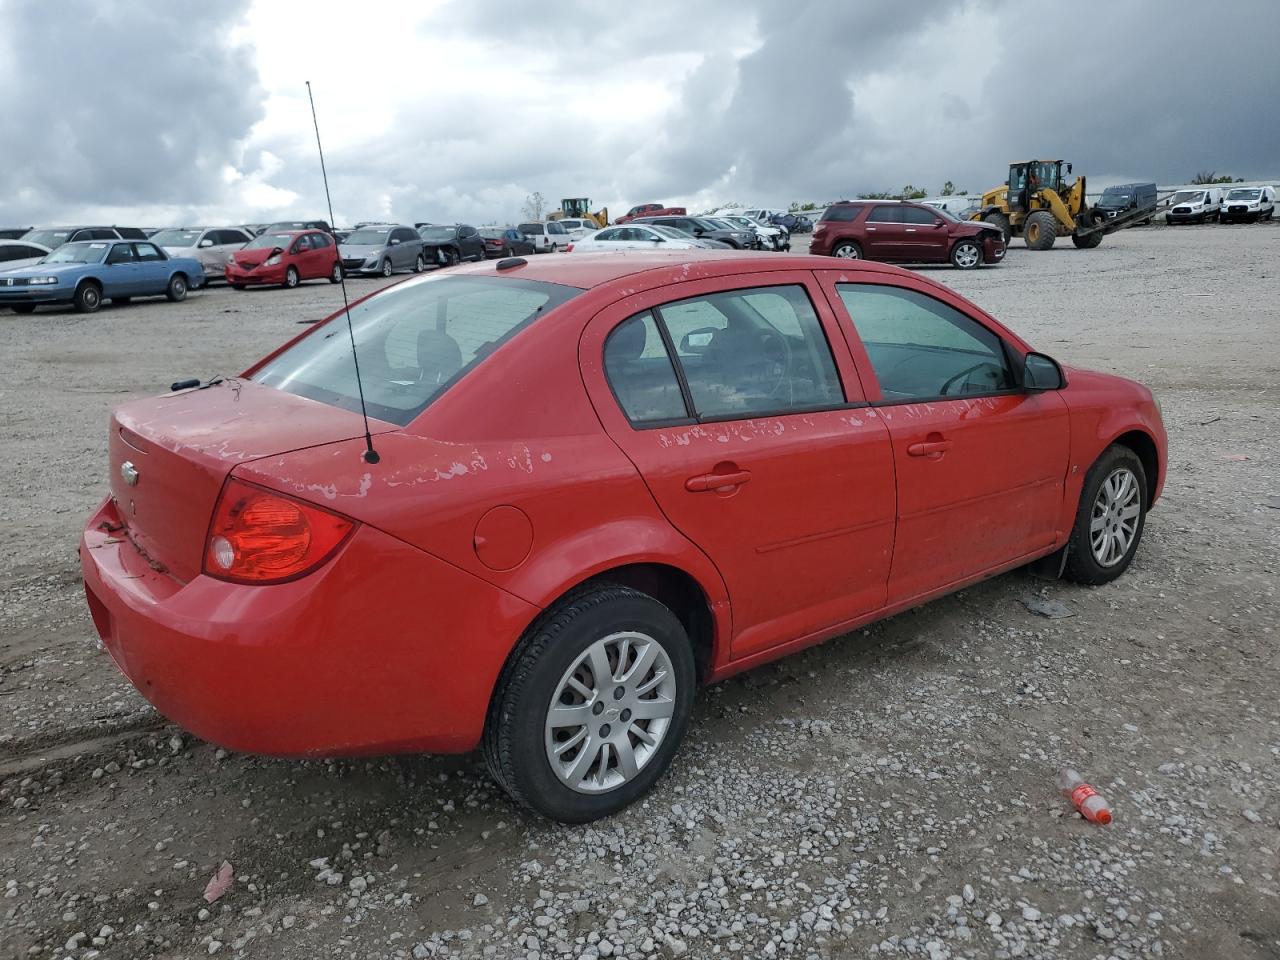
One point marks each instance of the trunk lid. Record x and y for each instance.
(169, 456)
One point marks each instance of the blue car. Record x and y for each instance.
(86, 272)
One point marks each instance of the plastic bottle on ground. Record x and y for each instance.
(1083, 797)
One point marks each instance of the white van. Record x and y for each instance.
(1249, 204)
(547, 236)
(1196, 205)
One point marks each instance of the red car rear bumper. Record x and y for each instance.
(384, 649)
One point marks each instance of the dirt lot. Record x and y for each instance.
(888, 793)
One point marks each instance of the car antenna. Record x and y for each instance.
(370, 455)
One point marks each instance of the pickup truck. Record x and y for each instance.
(651, 210)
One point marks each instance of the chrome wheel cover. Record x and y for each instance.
(847, 251)
(1113, 523)
(967, 255)
(610, 713)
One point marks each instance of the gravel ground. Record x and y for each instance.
(889, 793)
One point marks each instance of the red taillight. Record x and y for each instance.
(259, 536)
(569, 248)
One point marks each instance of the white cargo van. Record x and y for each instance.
(1197, 205)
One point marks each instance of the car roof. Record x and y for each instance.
(22, 243)
(589, 270)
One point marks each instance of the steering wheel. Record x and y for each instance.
(775, 350)
(946, 387)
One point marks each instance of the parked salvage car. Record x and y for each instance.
(1195, 206)
(905, 232)
(20, 253)
(383, 250)
(547, 236)
(637, 236)
(450, 244)
(54, 237)
(210, 245)
(14, 233)
(650, 210)
(577, 228)
(505, 242)
(715, 460)
(769, 236)
(740, 238)
(1121, 198)
(284, 225)
(1249, 204)
(86, 272)
(285, 258)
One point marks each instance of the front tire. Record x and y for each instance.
(592, 705)
(419, 265)
(88, 298)
(1110, 518)
(176, 292)
(291, 278)
(966, 255)
(1040, 230)
(387, 270)
(335, 275)
(847, 250)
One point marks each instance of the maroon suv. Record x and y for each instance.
(904, 232)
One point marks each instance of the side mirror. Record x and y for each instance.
(1040, 372)
(206, 242)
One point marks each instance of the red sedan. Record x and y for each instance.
(903, 232)
(601, 481)
(284, 258)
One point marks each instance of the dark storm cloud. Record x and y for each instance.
(122, 104)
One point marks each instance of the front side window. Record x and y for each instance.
(121, 253)
(922, 349)
(918, 216)
(147, 252)
(303, 245)
(608, 235)
(414, 341)
(885, 215)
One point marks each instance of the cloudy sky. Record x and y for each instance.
(157, 112)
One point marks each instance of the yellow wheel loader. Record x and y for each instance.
(580, 209)
(1039, 205)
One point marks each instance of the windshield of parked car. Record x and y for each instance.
(1113, 198)
(438, 233)
(176, 238)
(1187, 196)
(946, 214)
(1244, 194)
(47, 238)
(268, 241)
(371, 238)
(414, 342)
(83, 251)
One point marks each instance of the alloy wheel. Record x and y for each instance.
(1114, 520)
(610, 713)
(847, 251)
(967, 256)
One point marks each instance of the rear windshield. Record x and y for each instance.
(414, 341)
(370, 238)
(48, 238)
(176, 238)
(534, 228)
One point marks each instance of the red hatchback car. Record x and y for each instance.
(903, 232)
(601, 480)
(285, 258)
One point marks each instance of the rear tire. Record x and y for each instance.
(290, 278)
(176, 292)
(847, 250)
(1114, 500)
(966, 255)
(88, 298)
(520, 739)
(1002, 221)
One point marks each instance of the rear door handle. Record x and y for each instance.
(929, 448)
(716, 481)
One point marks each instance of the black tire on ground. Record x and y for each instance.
(419, 265)
(1082, 566)
(1088, 241)
(290, 278)
(450, 256)
(335, 275)
(1040, 230)
(514, 736)
(88, 297)
(24, 308)
(386, 269)
(237, 286)
(176, 292)
(481, 257)
(966, 255)
(121, 301)
(1001, 221)
(847, 250)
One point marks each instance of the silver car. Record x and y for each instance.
(382, 249)
(210, 245)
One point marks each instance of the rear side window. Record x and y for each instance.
(738, 354)
(922, 349)
(841, 214)
(414, 342)
(640, 373)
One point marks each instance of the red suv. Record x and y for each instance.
(901, 232)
